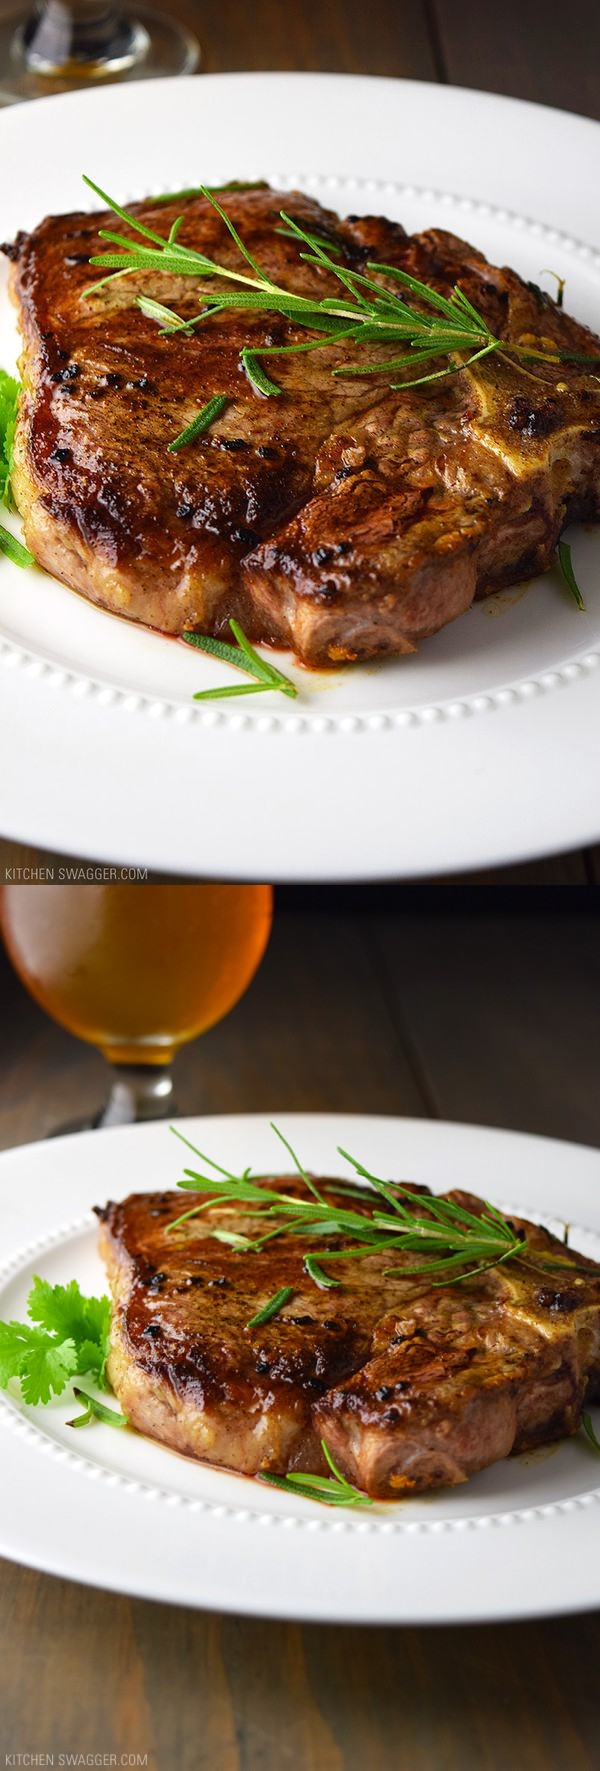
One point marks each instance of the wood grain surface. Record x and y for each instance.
(485, 1009)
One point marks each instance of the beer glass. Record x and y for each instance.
(136, 970)
(55, 46)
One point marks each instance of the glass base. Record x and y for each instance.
(148, 45)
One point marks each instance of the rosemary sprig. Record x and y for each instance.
(456, 1243)
(244, 657)
(333, 1490)
(273, 1307)
(566, 566)
(429, 326)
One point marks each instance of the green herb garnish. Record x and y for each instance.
(14, 549)
(202, 422)
(586, 1422)
(197, 190)
(315, 1271)
(429, 327)
(95, 1410)
(273, 1307)
(457, 1244)
(566, 566)
(244, 657)
(333, 1490)
(9, 406)
(560, 286)
(70, 1336)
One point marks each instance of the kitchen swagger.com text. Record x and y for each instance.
(36, 1759)
(87, 873)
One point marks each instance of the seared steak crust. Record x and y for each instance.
(412, 1386)
(340, 519)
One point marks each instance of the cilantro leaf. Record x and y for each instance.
(71, 1335)
(58, 1308)
(46, 1369)
(63, 1310)
(15, 1340)
(92, 1357)
(97, 1319)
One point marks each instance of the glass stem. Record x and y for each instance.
(139, 1092)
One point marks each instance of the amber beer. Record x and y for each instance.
(136, 969)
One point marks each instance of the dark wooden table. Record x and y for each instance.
(486, 1009)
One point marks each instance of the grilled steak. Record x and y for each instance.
(340, 519)
(412, 1386)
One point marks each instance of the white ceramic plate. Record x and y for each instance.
(476, 750)
(119, 1512)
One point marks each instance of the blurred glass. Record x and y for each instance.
(54, 47)
(137, 970)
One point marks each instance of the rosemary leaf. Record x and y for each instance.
(231, 229)
(333, 1491)
(315, 240)
(202, 422)
(315, 1271)
(14, 549)
(244, 657)
(257, 377)
(9, 408)
(308, 1180)
(560, 286)
(231, 1237)
(234, 689)
(95, 1411)
(218, 649)
(273, 1307)
(197, 190)
(154, 310)
(566, 566)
